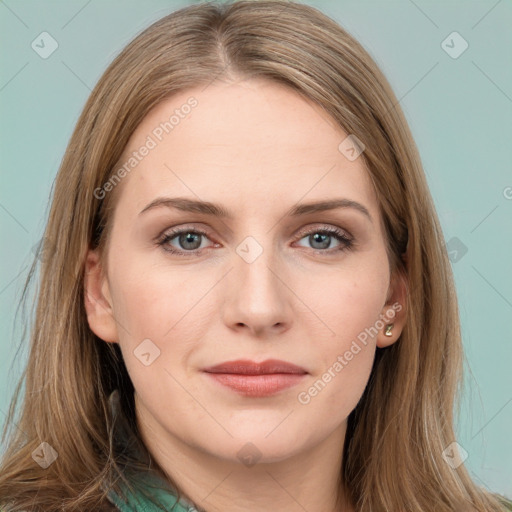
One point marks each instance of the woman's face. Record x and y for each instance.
(258, 284)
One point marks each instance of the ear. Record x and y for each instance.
(98, 303)
(394, 312)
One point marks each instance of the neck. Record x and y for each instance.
(305, 481)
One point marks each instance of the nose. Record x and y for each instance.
(256, 298)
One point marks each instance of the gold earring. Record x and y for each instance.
(388, 330)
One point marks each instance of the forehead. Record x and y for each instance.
(250, 144)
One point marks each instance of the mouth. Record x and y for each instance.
(253, 379)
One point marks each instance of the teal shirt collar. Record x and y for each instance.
(140, 503)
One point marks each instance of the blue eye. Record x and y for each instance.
(324, 237)
(189, 241)
(187, 238)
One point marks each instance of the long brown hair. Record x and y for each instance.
(398, 431)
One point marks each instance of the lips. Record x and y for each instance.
(256, 380)
(246, 367)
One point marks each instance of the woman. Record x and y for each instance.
(209, 337)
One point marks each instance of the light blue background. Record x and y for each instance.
(459, 110)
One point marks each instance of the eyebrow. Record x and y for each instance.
(216, 210)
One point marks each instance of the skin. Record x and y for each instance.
(257, 148)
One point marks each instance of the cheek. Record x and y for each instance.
(170, 307)
(151, 302)
(154, 308)
(350, 311)
(346, 307)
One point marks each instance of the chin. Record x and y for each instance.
(268, 444)
(249, 451)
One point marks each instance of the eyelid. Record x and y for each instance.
(180, 228)
(324, 227)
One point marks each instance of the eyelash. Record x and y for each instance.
(338, 234)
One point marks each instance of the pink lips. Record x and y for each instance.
(256, 379)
